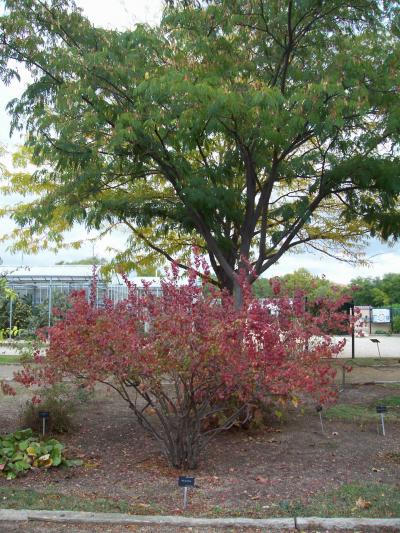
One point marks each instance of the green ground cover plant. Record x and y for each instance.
(22, 450)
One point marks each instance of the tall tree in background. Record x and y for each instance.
(247, 127)
(300, 280)
(377, 291)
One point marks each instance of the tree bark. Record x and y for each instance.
(237, 295)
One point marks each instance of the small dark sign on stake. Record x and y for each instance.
(185, 482)
(377, 342)
(44, 415)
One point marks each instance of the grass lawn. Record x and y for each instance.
(367, 412)
(377, 500)
(350, 500)
(368, 361)
(10, 359)
(11, 498)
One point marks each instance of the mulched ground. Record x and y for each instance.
(242, 471)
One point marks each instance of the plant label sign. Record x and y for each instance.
(44, 415)
(186, 481)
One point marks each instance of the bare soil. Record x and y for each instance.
(250, 472)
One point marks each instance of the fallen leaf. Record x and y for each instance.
(363, 504)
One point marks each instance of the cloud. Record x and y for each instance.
(124, 14)
(387, 261)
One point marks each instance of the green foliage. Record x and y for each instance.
(21, 311)
(377, 291)
(262, 288)
(391, 401)
(383, 501)
(22, 450)
(364, 361)
(27, 349)
(7, 333)
(247, 128)
(26, 319)
(9, 360)
(365, 413)
(312, 286)
(20, 498)
(40, 313)
(396, 324)
(21, 315)
(149, 270)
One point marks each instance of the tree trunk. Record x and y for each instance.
(237, 295)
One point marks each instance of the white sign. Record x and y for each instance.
(381, 316)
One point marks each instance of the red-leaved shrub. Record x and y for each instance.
(180, 358)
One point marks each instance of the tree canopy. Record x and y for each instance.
(246, 127)
(377, 291)
(311, 285)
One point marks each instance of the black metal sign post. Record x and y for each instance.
(185, 482)
(44, 415)
(319, 411)
(381, 410)
(349, 308)
(377, 342)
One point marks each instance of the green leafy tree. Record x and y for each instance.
(377, 291)
(313, 286)
(40, 313)
(390, 285)
(262, 288)
(363, 294)
(379, 297)
(300, 280)
(21, 314)
(247, 127)
(21, 310)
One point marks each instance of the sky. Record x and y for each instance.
(123, 14)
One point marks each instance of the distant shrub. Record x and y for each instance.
(382, 332)
(61, 401)
(396, 324)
